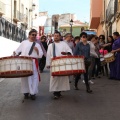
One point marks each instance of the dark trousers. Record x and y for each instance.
(105, 67)
(85, 78)
(42, 62)
(97, 67)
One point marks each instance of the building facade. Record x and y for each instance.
(16, 17)
(108, 13)
(77, 28)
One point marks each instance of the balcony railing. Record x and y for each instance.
(11, 31)
(17, 15)
(24, 18)
(21, 17)
(110, 10)
(2, 7)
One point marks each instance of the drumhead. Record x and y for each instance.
(108, 55)
(60, 57)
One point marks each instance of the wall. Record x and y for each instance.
(7, 46)
(100, 30)
(114, 27)
(75, 30)
(118, 26)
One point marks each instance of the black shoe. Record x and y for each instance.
(59, 94)
(111, 78)
(89, 91)
(76, 88)
(33, 97)
(56, 97)
(98, 77)
(26, 95)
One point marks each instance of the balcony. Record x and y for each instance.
(117, 11)
(16, 16)
(23, 18)
(2, 8)
(19, 17)
(96, 10)
(110, 10)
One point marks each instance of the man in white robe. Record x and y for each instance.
(29, 85)
(58, 83)
(68, 38)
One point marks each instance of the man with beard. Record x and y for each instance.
(57, 83)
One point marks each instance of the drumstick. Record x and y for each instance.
(63, 53)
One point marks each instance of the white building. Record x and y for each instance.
(20, 12)
(65, 18)
(35, 15)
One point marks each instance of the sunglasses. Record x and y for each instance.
(34, 35)
(83, 36)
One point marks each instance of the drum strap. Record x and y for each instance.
(31, 49)
(53, 45)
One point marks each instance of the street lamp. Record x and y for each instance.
(71, 23)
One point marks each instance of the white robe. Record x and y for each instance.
(60, 83)
(30, 84)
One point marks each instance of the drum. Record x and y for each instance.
(109, 57)
(15, 66)
(67, 65)
(102, 60)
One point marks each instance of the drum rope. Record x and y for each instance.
(66, 64)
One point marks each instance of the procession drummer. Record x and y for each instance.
(29, 85)
(57, 83)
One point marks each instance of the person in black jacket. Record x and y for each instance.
(110, 40)
(83, 49)
(42, 61)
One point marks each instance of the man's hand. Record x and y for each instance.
(48, 67)
(113, 51)
(109, 44)
(66, 53)
(14, 53)
(63, 53)
(36, 49)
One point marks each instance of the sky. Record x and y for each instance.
(80, 7)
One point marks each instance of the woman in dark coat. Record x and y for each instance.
(42, 61)
(110, 40)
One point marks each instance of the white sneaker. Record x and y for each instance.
(84, 81)
(91, 82)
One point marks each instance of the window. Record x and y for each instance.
(15, 8)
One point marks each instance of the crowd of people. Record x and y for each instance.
(92, 47)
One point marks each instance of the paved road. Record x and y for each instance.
(103, 104)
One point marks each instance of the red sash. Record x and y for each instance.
(37, 66)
